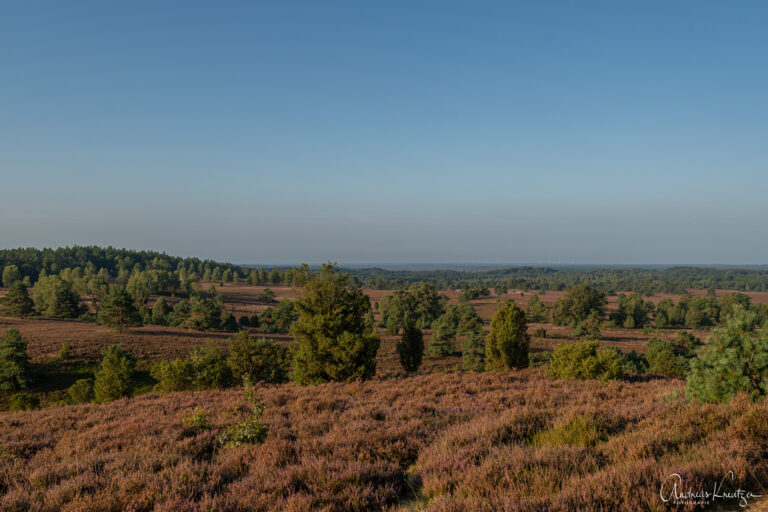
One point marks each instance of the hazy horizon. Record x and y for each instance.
(442, 132)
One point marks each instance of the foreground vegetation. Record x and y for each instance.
(448, 442)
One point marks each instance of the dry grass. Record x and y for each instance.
(450, 442)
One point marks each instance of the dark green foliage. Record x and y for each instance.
(473, 351)
(585, 360)
(160, 312)
(17, 302)
(632, 312)
(175, 375)
(727, 304)
(228, 322)
(283, 316)
(251, 430)
(180, 314)
(589, 328)
(472, 293)
(81, 391)
(117, 310)
(540, 332)
(537, 311)
(734, 360)
(410, 348)
(634, 362)
(24, 402)
(507, 343)
(211, 370)
(578, 304)
(332, 339)
(420, 304)
(14, 362)
(443, 339)
(204, 315)
(662, 359)
(258, 359)
(113, 378)
(266, 297)
(244, 321)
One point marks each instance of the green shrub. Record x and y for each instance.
(63, 354)
(197, 421)
(210, 367)
(585, 360)
(113, 379)
(410, 348)
(634, 362)
(540, 332)
(81, 391)
(663, 361)
(24, 402)
(507, 343)
(251, 430)
(583, 431)
(589, 328)
(175, 375)
(442, 342)
(473, 351)
(117, 310)
(258, 359)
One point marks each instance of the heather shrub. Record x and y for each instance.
(24, 402)
(251, 430)
(735, 360)
(259, 359)
(585, 360)
(14, 362)
(81, 391)
(410, 348)
(507, 344)
(113, 379)
(582, 430)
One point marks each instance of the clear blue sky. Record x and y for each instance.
(496, 132)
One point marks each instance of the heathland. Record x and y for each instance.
(597, 394)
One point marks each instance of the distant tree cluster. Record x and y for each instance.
(419, 305)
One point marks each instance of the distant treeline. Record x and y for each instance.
(121, 263)
(608, 280)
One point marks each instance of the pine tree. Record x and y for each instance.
(410, 348)
(735, 360)
(11, 275)
(113, 379)
(14, 362)
(507, 344)
(118, 311)
(443, 339)
(333, 342)
(17, 302)
(537, 311)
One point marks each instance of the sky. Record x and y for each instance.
(388, 132)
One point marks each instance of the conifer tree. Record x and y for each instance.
(117, 311)
(17, 302)
(410, 348)
(14, 362)
(507, 343)
(113, 378)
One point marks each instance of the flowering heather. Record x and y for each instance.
(441, 442)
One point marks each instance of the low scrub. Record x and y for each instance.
(585, 360)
